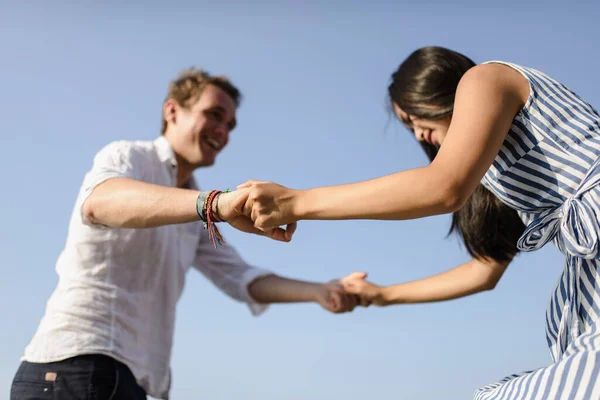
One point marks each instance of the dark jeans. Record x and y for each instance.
(89, 377)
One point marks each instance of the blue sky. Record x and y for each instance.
(75, 77)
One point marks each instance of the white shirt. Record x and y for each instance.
(118, 288)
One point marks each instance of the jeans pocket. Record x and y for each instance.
(30, 390)
(104, 380)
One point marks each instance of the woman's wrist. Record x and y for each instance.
(386, 295)
(301, 205)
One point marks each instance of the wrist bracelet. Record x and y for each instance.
(200, 205)
(204, 208)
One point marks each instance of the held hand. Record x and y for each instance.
(230, 206)
(270, 205)
(332, 298)
(369, 293)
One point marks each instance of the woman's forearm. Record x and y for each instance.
(472, 277)
(409, 194)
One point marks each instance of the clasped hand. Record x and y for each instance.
(346, 293)
(261, 208)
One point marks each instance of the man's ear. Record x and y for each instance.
(170, 111)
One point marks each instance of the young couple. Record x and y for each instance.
(514, 157)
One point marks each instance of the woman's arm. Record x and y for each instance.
(472, 277)
(487, 100)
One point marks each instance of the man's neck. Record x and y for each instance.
(184, 168)
(184, 173)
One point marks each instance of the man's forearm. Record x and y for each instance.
(129, 203)
(275, 289)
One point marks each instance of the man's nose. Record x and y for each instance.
(222, 129)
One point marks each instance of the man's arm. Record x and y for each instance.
(130, 203)
(259, 287)
(472, 277)
(276, 289)
(116, 194)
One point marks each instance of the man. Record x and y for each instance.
(135, 230)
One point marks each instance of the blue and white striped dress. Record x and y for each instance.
(548, 169)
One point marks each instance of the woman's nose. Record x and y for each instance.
(420, 134)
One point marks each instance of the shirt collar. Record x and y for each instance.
(164, 151)
(167, 156)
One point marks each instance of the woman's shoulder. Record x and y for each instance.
(502, 78)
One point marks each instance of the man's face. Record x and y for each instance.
(201, 130)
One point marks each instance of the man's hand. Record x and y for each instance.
(368, 293)
(331, 297)
(230, 209)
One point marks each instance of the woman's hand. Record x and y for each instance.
(368, 293)
(270, 206)
(230, 207)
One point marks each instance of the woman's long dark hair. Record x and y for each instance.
(425, 86)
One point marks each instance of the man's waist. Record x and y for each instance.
(63, 336)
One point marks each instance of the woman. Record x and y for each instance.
(529, 140)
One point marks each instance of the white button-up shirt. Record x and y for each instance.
(118, 288)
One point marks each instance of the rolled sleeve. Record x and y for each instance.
(116, 160)
(225, 268)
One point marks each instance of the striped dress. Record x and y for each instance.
(548, 169)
